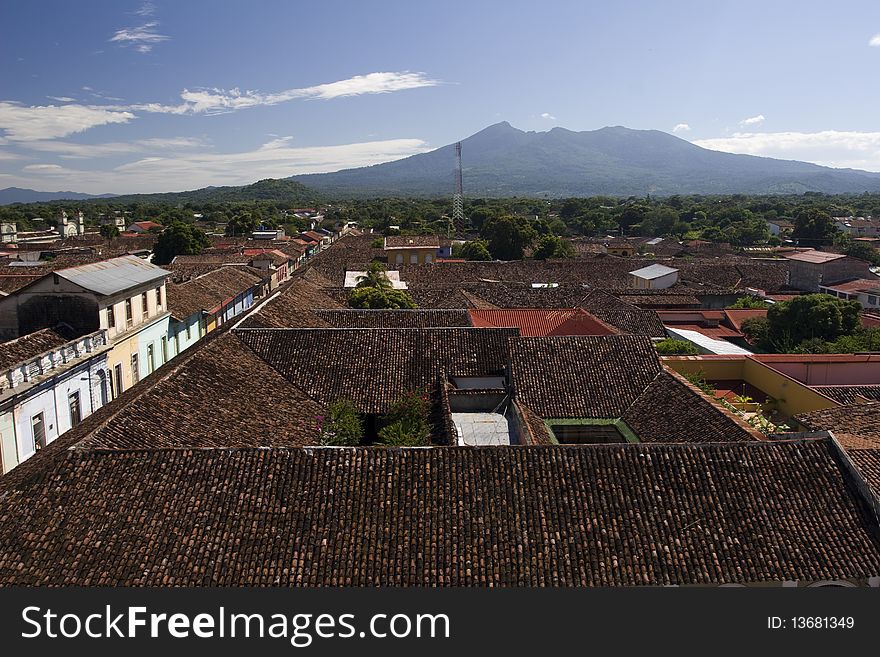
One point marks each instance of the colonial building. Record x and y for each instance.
(48, 385)
(124, 296)
(411, 249)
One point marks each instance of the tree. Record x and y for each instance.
(407, 422)
(179, 239)
(109, 231)
(670, 347)
(748, 302)
(551, 246)
(376, 298)
(804, 318)
(376, 276)
(475, 250)
(813, 224)
(242, 225)
(508, 237)
(862, 251)
(343, 426)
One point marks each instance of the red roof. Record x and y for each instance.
(814, 257)
(146, 225)
(858, 285)
(542, 322)
(737, 316)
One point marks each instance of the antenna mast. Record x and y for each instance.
(457, 198)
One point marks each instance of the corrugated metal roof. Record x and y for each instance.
(115, 275)
(653, 271)
(711, 345)
(815, 257)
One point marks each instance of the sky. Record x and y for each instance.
(110, 96)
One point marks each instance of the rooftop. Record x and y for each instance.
(536, 322)
(112, 276)
(653, 271)
(412, 242)
(814, 257)
(593, 515)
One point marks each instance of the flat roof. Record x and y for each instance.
(481, 429)
(653, 271)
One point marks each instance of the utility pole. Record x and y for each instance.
(458, 198)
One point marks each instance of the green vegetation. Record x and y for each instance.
(812, 321)
(343, 426)
(109, 231)
(699, 380)
(473, 250)
(377, 299)
(748, 302)
(508, 237)
(178, 239)
(551, 246)
(376, 276)
(670, 347)
(407, 422)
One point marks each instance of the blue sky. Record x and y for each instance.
(114, 96)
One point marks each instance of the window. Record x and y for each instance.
(128, 312)
(872, 300)
(38, 427)
(135, 374)
(111, 317)
(188, 332)
(164, 349)
(399, 259)
(414, 259)
(120, 383)
(151, 359)
(159, 298)
(145, 306)
(102, 385)
(75, 410)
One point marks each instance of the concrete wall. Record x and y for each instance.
(177, 335)
(411, 256)
(8, 450)
(152, 335)
(830, 373)
(808, 276)
(51, 398)
(792, 396)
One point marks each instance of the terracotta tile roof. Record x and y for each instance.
(856, 426)
(865, 285)
(850, 394)
(293, 307)
(622, 315)
(379, 365)
(539, 322)
(29, 346)
(349, 318)
(736, 317)
(208, 291)
(412, 241)
(532, 516)
(10, 283)
(670, 409)
(583, 376)
(214, 398)
(868, 463)
(660, 300)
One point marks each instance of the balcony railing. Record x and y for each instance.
(54, 359)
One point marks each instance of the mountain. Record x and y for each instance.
(504, 161)
(283, 190)
(18, 195)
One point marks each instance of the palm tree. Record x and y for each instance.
(375, 276)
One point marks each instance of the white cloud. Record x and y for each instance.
(681, 127)
(142, 37)
(875, 41)
(548, 115)
(214, 101)
(753, 120)
(70, 150)
(274, 159)
(845, 149)
(23, 123)
(62, 99)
